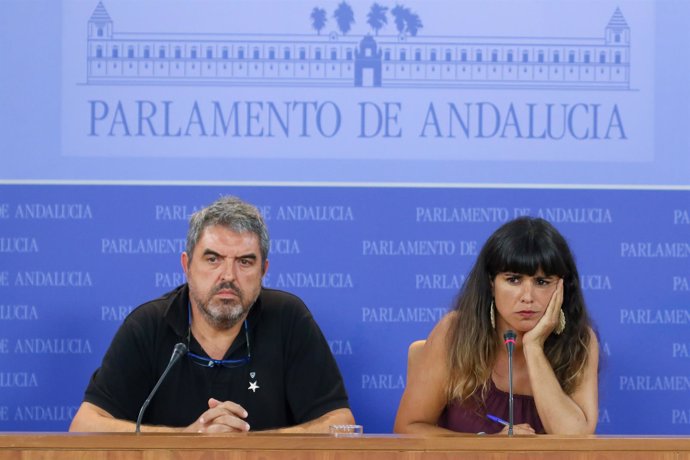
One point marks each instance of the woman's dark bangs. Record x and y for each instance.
(527, 256)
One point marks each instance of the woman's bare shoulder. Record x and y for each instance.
(439, 335)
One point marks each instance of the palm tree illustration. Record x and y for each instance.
(399, 12)
(414, 23)
(377, 17)
(344, 16)
(318, 19)
(406, 21)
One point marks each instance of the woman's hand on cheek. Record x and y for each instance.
(548, 322)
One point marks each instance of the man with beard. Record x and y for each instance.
(256, 359)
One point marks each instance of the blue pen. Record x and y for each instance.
(497, 419)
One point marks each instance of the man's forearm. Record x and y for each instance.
(91, 418)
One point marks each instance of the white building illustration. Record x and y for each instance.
(338, 60)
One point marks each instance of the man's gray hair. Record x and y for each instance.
(232, 213)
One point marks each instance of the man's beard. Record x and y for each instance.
(223, 313)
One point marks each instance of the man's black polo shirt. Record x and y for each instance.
(292, 371)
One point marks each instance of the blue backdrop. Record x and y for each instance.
(382, 154)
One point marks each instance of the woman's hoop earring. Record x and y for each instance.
(492, 316)
(561, 323)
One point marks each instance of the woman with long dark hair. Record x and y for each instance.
(524, 280)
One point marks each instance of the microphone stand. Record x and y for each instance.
(509, 340)
(179, 351)
(510, 392)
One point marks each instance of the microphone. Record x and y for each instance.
(509, 339)
(179, 351)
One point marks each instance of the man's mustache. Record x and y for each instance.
(227, 286)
